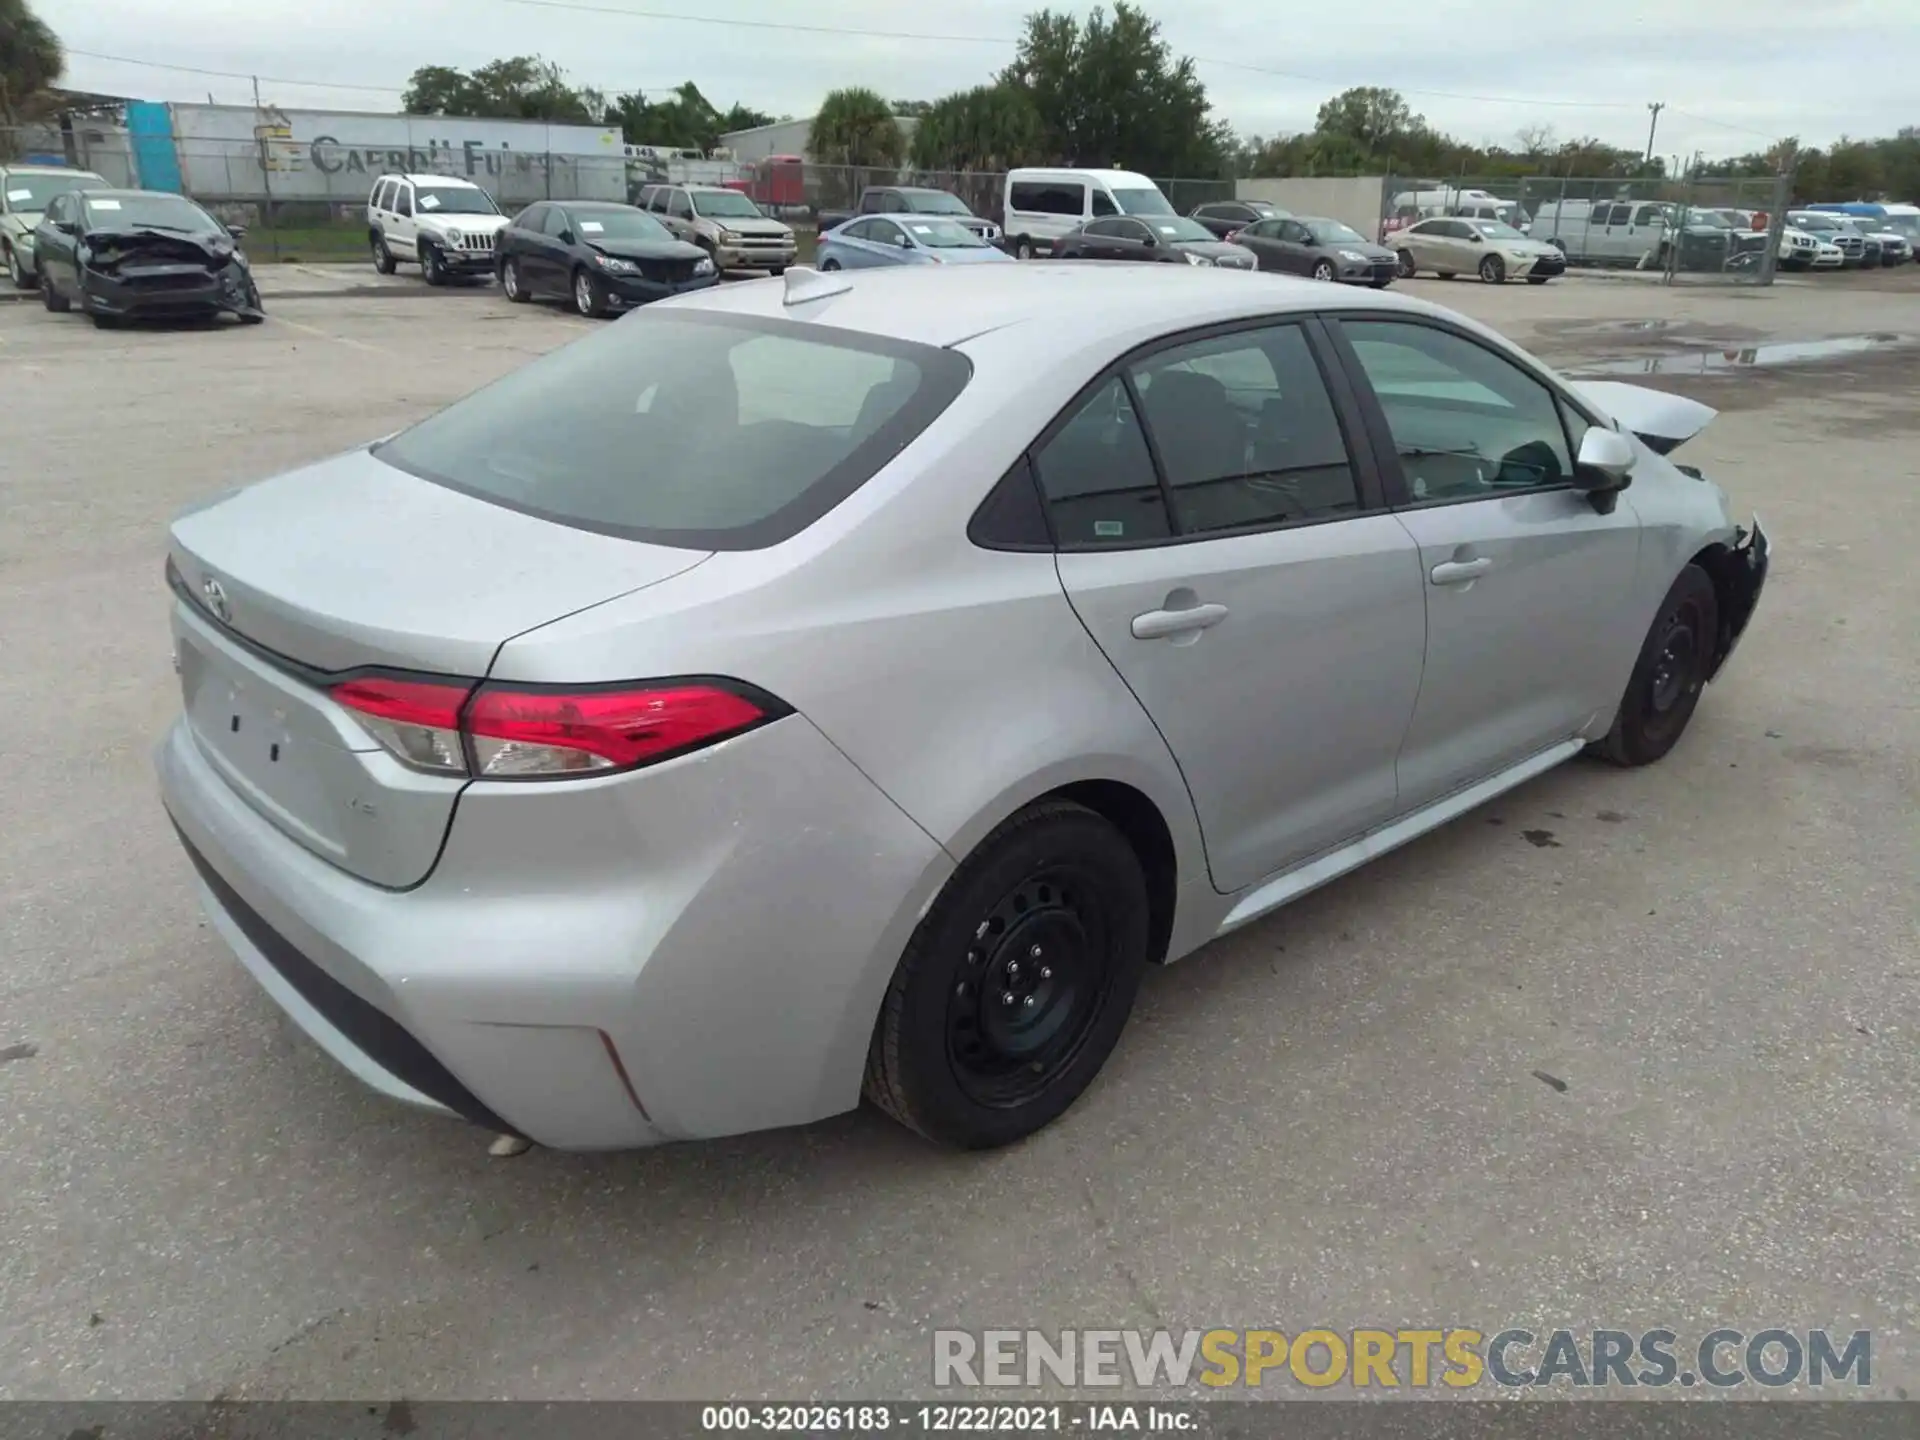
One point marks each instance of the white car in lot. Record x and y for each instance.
(446, 226)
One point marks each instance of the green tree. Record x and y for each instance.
(856, 127)
(440, 90)
(744, 117)
(31, 64)
(1109, 91)
(990, 127)
(1373, 117)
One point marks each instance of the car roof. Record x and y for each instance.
(1105, 177)
(127, 192)
(454, 181)
(51, 170)
(591, 205)
(1061, 303)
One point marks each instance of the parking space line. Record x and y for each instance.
(329, 335)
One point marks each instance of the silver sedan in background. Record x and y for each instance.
(851, 684)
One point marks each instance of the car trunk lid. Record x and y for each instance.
(287, 586)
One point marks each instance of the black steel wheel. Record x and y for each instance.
(1016, 985)
(1671, 672)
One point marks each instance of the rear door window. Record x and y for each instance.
(1098, 476)
(704, 431)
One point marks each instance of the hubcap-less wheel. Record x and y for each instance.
(1017, 981)
(1033, 983)
(1676, 668)
(1323, 271)
(1670, 675)
(1406, 265)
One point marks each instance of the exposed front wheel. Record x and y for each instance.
(1407, 269)
(588, 298)
(511, 283)
(1669, 675)
(1323, 270)
(1493, 270)
(1017, 983)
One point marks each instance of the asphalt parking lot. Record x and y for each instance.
(1625, 1049)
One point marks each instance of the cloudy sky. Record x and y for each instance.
(1735, 73)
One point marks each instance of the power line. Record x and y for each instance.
(1725, 124)
(235, 74)
(281, 79)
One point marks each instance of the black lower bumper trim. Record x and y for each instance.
(382, 1038)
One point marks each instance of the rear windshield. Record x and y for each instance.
(712, 432)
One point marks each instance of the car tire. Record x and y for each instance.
(829, 264)
(588, 298)
(105, 322)
(1323, 270)
(383, 260)
(1444, 274)
(1407, 268)
(1023, 249)
(53, 299)
(1538, 279)
(259, 314)
(776, 271)
(17, 272)
(978, 1043)
(1669, 674)
(1493, 270)
(512, 284)
(433, 266)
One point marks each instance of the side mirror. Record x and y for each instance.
(1476, 238)
(238, 232)
(1604, 466)
(566, 237)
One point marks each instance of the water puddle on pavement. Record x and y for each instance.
(1746, 357)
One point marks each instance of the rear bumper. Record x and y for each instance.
(595, 965)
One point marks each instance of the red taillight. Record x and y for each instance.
(506, 732)
(418, 720)
(535, 732)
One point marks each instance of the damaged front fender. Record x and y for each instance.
(1739, 574)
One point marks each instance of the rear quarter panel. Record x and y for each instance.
(958, 679)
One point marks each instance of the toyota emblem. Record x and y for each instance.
(217, 602)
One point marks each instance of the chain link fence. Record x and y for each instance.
(1691, 230)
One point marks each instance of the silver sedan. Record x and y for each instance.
(850, 685)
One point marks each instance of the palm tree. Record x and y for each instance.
(31, 63)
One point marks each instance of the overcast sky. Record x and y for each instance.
(1734, 73)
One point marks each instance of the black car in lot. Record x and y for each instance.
(1325, 249)
(141, 254)
(1166, 239)
(599, 256)
(1226, 218)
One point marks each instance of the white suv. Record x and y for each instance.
(446, 226)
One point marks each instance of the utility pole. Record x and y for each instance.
(266, 168)
(1656, 106)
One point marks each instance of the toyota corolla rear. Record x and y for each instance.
(539, 905)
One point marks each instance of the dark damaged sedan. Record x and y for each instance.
(600, 255)
(140, 254)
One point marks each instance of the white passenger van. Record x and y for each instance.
(1041, 206)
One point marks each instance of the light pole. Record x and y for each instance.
(1656, 106)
